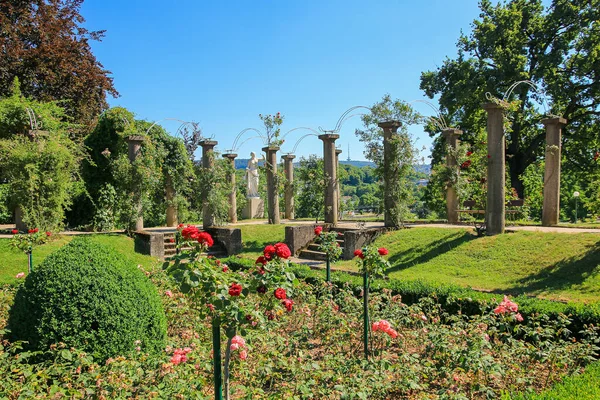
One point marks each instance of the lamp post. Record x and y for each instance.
(576, 195)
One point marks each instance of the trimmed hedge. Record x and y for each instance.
(88, 296)
(452, 298)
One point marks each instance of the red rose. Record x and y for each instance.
(383, 251)
(48, 234)
(280, 294)
(190, 232)
(282, 250)
(288, 304)
(235, 289)
(204, 238)
(225, 268)
(218, 262)
(261, 289)
(261, 271)
(14, 231)
(270, 315)
(489, 156)
(359, 253)
(318, 230)
(466, 164)
(211, 307)
(172, 240)
(469, 153)
(261, 260)
(269, 251)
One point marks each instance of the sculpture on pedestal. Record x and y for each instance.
(252, 176)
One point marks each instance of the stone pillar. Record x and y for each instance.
(339, 185)
(208, 219)
(171, 209)
(330, 170)
(232, 199)
(390, 177)
(495, 208)
(551, 207)
(451, 136)
(272, 193)
(20, 224)
(134, 145)
(288, 167)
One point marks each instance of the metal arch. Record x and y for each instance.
(247, 140)
(295, 129)
(33, 122)
(299, 140)
(168, 119)
(239, 135)
(342, 119)
(530, 83)
(183, 125)
(439, 121)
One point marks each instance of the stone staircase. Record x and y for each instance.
(216, 251)
(311, 252)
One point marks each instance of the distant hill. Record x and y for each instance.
(358, 164)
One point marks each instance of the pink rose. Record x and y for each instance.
(20, 275)
(168, 293)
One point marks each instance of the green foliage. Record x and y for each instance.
(212, 188)
(88, 296)
(309, 184)
(272, 125)
(5, 211)
(329, 245)
(533, 182)
(27, 242)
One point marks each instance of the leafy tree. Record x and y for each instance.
(44, 44)
(309, 180)
(404, 153)
(555, 47)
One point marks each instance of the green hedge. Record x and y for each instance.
(88, 296)
(452, 298)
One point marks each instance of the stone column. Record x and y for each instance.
(272, 193)
(171, 209)
(232, 199)
(330, 170)
(339, 185)
(451, 136)
(134, 146)
(495, 208)
(551, 208)
(208, 219)
(288, 167)
(390, 177)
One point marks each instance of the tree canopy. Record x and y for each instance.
(44, 44)
(557, 48)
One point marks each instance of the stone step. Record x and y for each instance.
(313, 255)
(315, 246)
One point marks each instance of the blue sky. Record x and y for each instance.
(221, 63)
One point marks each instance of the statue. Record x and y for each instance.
(252, 176)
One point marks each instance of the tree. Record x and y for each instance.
(556, 48)
(310, 188)
(43, 43)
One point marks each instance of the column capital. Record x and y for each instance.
(231, 156)
(271, 148)
(208, 143)
(338, 152)
(492, 106)
(288, 156)
(329, 136)
(392, 125)
(554, 121)
(451, 132)
(136, 139)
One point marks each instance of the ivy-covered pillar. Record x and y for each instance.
(272, 192)
(496, 175)
(451, 135)
(339, 185)
(551, 208)
(134, 146)
(232, 195)
(171, 208)
(391, 180)
(330, 170)
(288, 167)
(208, 219)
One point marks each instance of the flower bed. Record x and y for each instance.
(316, 351)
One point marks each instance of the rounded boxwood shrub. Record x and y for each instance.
(88, 296)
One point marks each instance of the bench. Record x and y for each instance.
(469, 207)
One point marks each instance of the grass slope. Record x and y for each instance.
(551, 265)
(12, 262)
(256, 237)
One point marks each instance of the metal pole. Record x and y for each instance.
(575, 209)
(216, 334)
(366, 314)
(328, 270)
(30, 260)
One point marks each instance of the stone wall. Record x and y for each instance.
(299, 236)
(229, 238)
(354, 240)
(150, 243)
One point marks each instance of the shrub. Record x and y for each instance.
(87, 296)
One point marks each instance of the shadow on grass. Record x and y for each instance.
(564, 274)
(428, 251)
(255, 246)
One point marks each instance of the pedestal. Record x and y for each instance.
(255, 208)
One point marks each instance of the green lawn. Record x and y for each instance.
(12, 262)
(256, 237)
(551, 265)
